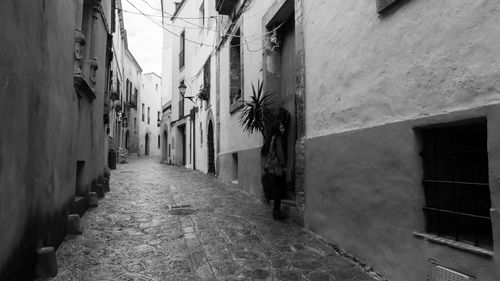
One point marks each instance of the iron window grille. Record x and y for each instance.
(235, 75)
(456, 186)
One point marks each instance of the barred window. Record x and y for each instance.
(456, 186)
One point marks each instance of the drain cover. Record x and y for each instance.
(181, 210)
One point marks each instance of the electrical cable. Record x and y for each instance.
(201, 43)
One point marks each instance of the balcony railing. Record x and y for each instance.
(132, 102)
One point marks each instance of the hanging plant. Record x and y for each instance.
(203, 94)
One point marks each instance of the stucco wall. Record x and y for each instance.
(49, 127)
(423, 62)
(364, 193)
(425, 57)
(38, 106)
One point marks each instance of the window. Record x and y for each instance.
(135, 124)
(202, 14)
(142, 112)
(157, 87)
(181, 49)
(149, 110)
(135, 96)
(127, 92)
(158, 141)
(159, 119)
(206, 79)
(235, 69)
(457, 195)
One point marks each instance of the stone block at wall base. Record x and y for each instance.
(289, 207)
(80, 205)
(73, 227)
(46, 266)
(93, 199)
(99, 190)
(105, 184)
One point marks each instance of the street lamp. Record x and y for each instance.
(182, 91)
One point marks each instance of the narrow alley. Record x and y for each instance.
(230, 236)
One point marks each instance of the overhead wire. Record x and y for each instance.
(201, 43)
(244, 9)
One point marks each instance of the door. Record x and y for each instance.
(183, 133)
(211, 149)
(146, 145)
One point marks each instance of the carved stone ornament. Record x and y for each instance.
(79, 43)
(94, 65)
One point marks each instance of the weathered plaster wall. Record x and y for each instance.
(37, 114)
(364, 193)
(423, 62)
(425, 57)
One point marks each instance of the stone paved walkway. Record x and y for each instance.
(131, 235)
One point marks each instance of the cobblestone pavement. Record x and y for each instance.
(231, 236)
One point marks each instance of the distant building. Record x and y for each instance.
(131, 99)
(54, 103)
(150, 115)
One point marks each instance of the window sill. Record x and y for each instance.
(454, 244)
(235, 106)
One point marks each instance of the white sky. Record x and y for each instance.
(144, 37)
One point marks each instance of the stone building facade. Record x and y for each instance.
(54, 60)
(189, 60)
(150, 115)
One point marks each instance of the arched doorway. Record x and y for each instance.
(164, 147)
(211, 148)
(127, 138)
(146, 145)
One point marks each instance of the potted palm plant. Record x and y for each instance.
(260, 115)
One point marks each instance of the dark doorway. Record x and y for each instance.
(164, 146)
(287, 86)
(211, 149)
(146, 145)
(79, 185)
(127, 137)
(182, 143)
